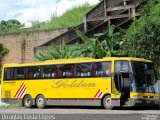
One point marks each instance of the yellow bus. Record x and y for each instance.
(107, 82)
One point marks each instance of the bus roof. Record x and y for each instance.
(75, 60)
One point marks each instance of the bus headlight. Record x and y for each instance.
(157, 97)
(137, 97)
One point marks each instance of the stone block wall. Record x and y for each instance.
(21, 45)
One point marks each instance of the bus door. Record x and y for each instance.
(122, 79)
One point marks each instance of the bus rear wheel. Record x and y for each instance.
(27, 101)
(40, 102)
(106, 102)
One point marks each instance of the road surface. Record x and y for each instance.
(80, 113)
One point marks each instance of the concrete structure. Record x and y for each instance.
(99, 19)
(25, 46)
(21, 45)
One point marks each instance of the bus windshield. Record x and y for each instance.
(144, 77)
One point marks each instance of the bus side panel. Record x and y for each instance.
(87, 88)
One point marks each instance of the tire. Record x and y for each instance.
(106, 102)
(27, 101)
(40, 102)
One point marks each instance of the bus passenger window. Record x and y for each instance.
(36, 74)
(83, 70)
(33, 72)
(48, 71)
(8, 73)
(121, 66)
(101, 69)
(66, 70)
(20, 73)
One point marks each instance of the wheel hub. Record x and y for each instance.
(40, 101)
(28, 102)
(108, 102)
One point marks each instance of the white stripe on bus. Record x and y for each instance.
(20, 91)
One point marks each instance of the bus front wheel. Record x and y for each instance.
(40, 102)
(27, 101)
(106, 102)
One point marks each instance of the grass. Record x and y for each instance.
(70, 18)
(11, 106)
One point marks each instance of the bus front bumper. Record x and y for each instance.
(143, 102)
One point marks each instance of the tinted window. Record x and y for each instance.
(33, 72)
(121, 66)
(14, 73)
(83, 70)
(49, 71)
(98, 69)
(65, 70)
(144, 75)
(102, 69)
(9, 73)
(20, 73)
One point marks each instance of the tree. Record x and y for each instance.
(103, 45)
(3, 51)
(99, 46)
(9, 26)
(142, 39)
(63, 52)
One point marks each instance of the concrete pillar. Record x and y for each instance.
(105, 9)
(124, 2)
(85, 24)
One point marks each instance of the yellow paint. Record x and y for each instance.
(68, 87)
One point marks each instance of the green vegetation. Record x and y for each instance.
(142, 39)
(99, 46)
(64, 52)
(3, 52)
(102, 45)
(70, 18)
(9, 26)
(11, 106)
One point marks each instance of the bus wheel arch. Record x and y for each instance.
(40, 101)
(106, 102)
(27, 101)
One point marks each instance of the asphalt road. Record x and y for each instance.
(79, 113)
